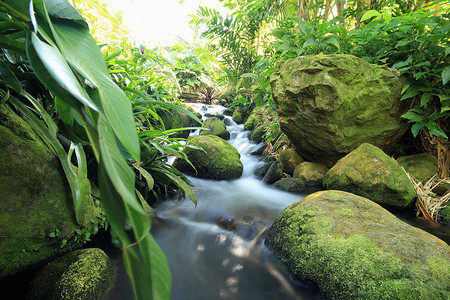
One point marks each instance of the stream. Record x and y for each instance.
(213, 250)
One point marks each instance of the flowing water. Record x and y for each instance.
(212, 249)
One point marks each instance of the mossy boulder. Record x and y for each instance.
(262, 170)
(290, 159)
(255, 119)
(330, 104)
(369, 172)
(215, 127)
(35, 199)
(80, 275)
(311, 173)
(218, 160)
(445, 215)
(257, 134)
(237, 116)
(174, 118)
(274, 173)
(422, 166)
(289, 184)
(352, 248)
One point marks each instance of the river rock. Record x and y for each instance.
(274, 173)
(257, 134)
(262, 170)
(352, 248)
(215, 127)
(289, 184)
(290, 159)
(330, 104)
(210, 115)
(174, 119)
(369, 172)
(218, 160)
(311, 173)
(80, 275)
(237, 116)
(253, 120)
(35, 199)
(422, 166)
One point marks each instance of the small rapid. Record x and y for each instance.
(213, 249)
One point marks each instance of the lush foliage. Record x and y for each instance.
(411, 37)
(53, 72)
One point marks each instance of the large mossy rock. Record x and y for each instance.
(330, 104)
(80, 275)
(369, 172)
(35, 199)
(274, 173)
(215, 127)
(173, 119)
(237, 116)
(422, 166)
(218, 160)
(289, 184)
(352, 248)
(290, 159)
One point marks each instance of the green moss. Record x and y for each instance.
(354, 249)
(369, 172)
(218, 160)
(82, 274)
(258, 133)
(311, 173)
(253, 121)
(237, 117)
(215, 127)
(290, 159)
(422, 166)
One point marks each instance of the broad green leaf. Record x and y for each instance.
(436, 130)
(8, 77)
(82, 184)
(413, 116)
(309, 42)
(52, 62)
(84, 55)
(119, 171)
(370, 14)
(186, 188)
(148, 177)
(416, 128)
(446, 75)
(426, 97)
(410, 92)
(62, 9)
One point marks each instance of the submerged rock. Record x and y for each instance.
(292, 185)
(80, 275)
(215, 127)
(311, 173)
(422, 166)
(290, 159)
(369, 172)
(352, 248)
(218, 160)
(330, 104)
(35, 199)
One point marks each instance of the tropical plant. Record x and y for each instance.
(82, 109)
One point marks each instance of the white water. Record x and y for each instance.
(207, 261)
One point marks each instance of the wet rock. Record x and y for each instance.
(290, 159)
(227, 121)
(215, 127)
(352, 248)
(218, 160)
(253, 120)
(209, 115)
(173, 119)
(257, 135)
(289, 184)
(274, 173)
(237, 117)
(35, 199)
(228, 112)
(330, 104)
(422, 166)
(311, 173)
(80, 275)
(262, 170)
(369, 172)
(258, 149)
